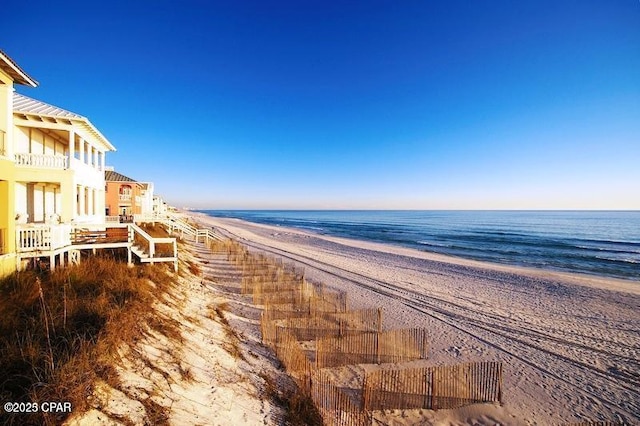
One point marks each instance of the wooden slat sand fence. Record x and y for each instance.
(332, 325)
(260, 285)
(336, 405)
(294, 358)
(296, 295)
(433, 387)
(335, 301)
(271, 318)
(391, 346)
(312, 307)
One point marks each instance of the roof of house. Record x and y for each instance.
(15, 72)
(30, 107)
(25, 104)
(113, 176)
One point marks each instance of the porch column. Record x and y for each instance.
(90, 194)
(102, 155)
(95, 158)
(72, 143)
(81, 149)
(81, 195)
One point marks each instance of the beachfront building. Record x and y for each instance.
(126, 197)
(159, 206)
(59, 158)
(10, 74)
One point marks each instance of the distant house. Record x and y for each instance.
(159, 206)
(127, 197)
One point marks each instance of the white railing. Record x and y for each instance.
(41, 160)
(149, 217)
(47, 238)
(124, 197)
(151, 246)
(112, 219)
(42, 237)
(207, 235)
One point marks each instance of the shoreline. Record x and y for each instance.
(569, 343)
(585, 279)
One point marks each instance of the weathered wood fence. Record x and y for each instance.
(318, 322)
(391, 346)
(338, 406)
(311, 330)
(437, 387)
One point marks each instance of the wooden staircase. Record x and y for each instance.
(143, 246)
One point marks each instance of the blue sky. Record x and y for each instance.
(351, 104)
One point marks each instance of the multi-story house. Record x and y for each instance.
(10, 74)
(159, 206)
(126, 197)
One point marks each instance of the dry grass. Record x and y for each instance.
(156, 230)
(194, 268)
(60, 331)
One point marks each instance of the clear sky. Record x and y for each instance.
(351, 104)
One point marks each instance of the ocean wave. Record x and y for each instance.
(433, 244)
(623, 260)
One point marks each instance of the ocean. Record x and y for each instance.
(603, 243)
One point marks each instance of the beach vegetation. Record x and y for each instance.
(60, 330)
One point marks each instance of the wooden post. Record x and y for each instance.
(500, 383)
(433, 388)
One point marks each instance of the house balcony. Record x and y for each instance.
(124, 198)
(42, 238)
(41, 161)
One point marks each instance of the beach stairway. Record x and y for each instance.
(179, 226)
(144, 247)
(139, 251)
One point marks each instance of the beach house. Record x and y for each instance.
(126, 197)
(159, 206)
(10, 74)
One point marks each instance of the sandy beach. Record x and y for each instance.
(570, 344)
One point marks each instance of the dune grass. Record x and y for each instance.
(60, 330)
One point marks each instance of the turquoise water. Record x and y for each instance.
(605, 243)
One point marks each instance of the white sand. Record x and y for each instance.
(570, 344)
(219, 387)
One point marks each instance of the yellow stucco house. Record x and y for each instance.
(10, 75)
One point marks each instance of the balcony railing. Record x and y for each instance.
(42, 237)
(124, 197)
(41, 160)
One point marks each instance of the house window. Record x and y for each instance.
(124, 193)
